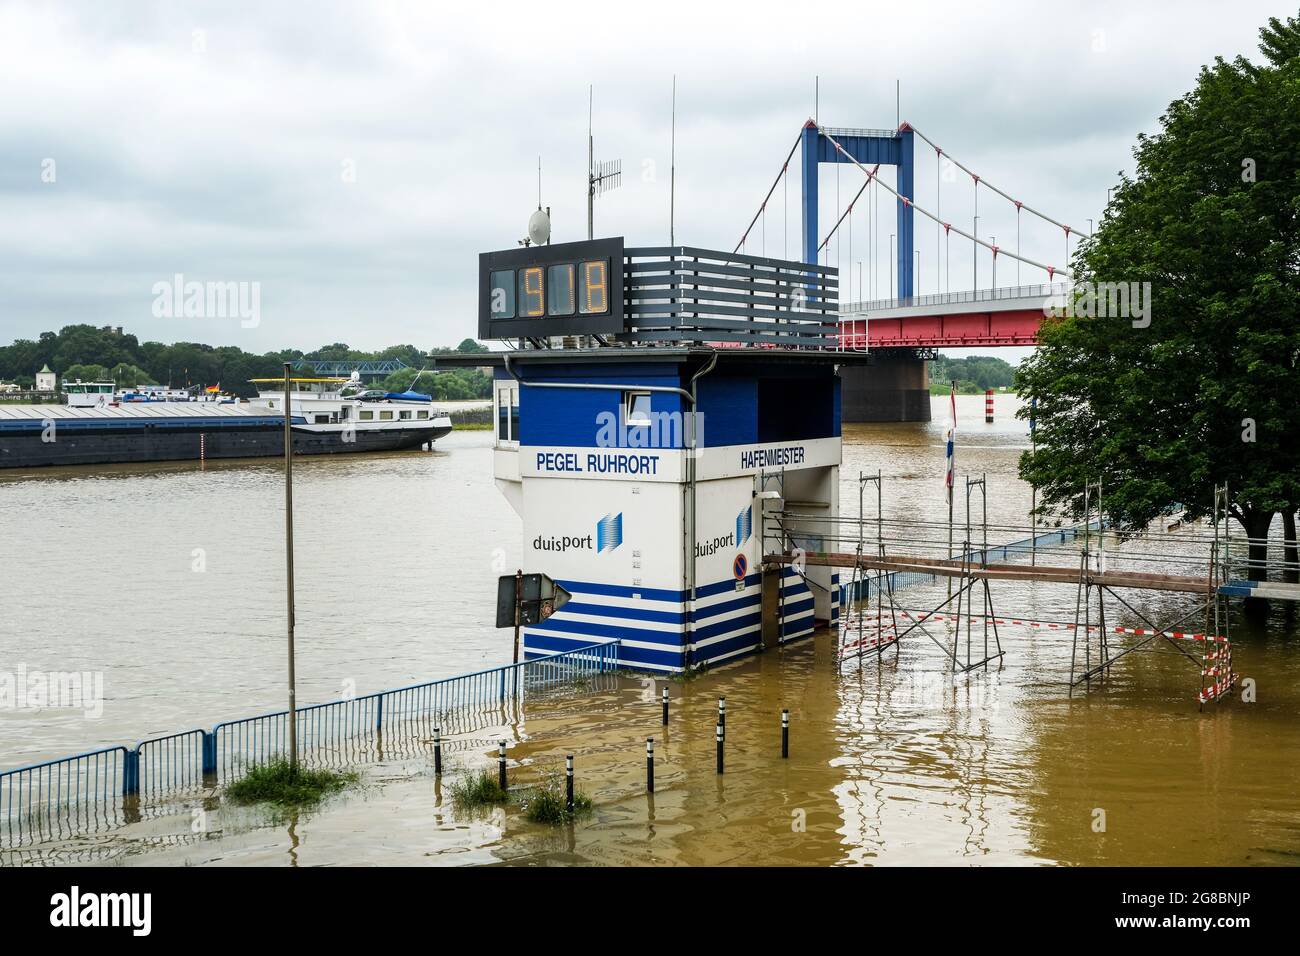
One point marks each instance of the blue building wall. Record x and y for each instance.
(732, 411)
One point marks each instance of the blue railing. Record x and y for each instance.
(81, 779)
(335, 731)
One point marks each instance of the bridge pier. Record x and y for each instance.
(891, 389)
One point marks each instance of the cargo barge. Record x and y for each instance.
(323, 422)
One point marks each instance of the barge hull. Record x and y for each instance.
(104, 446)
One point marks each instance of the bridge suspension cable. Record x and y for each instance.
(763, 205)
(981, 180)
(1051, 270)
(848, 210)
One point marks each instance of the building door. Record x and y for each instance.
(771, 606)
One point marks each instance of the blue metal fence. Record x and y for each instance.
(327, 732)
(74, 781)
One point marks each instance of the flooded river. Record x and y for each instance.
(168, 580)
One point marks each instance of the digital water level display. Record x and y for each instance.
(571, 288)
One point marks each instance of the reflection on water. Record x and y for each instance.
(892, 761)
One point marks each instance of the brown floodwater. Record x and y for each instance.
(893, 761)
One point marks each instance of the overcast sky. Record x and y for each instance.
(354, 158)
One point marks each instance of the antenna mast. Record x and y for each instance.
(672, 172)
(591, 172)
(601, 177)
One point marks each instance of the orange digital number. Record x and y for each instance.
(595, 295)
(532, 293)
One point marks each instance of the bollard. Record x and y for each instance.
(722, 713)
(665, 706)
(988, 406)
(719, 732)
(785, 733)
(437, 751)
(501, 765)
(649, 765)
(568, 783)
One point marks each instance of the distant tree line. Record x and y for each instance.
(92, 353)
(974, 374)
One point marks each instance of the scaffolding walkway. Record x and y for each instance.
(879, 551)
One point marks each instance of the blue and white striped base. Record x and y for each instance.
(1276, 590)
(651, 622)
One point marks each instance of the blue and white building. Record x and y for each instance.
(647, 469)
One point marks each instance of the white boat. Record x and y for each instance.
(89, 394)
(338, 406)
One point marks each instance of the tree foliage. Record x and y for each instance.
(974, 373)
(1208, 392)
(461, 384)
(89, 352)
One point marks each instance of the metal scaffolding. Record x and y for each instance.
(912, 550)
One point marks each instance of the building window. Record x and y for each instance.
(636, 409)
(507, 412)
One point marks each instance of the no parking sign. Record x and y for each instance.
(739, 568)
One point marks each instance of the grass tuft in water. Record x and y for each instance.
(280, 784)
(546, 802)
(686, 676)
(479, 789)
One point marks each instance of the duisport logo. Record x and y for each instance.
(608, 536)
(744, 524)
(609, 532)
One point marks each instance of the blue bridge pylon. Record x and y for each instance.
(869, 147)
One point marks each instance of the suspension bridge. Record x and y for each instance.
(893, 315)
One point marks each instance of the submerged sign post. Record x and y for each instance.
(527, 599)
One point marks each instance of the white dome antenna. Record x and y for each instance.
(539, 227)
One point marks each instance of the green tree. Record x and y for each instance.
(972, 374)
(129, 376)
(1206, 394)
(85, 373)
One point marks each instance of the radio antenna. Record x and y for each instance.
(672, 171)
(601, 177)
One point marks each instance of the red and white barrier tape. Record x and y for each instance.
(1055, 626)
(886, 634)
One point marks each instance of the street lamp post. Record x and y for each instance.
(288, 551)
(891, 266)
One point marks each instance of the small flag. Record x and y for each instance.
(952, 436)
(213, 389)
